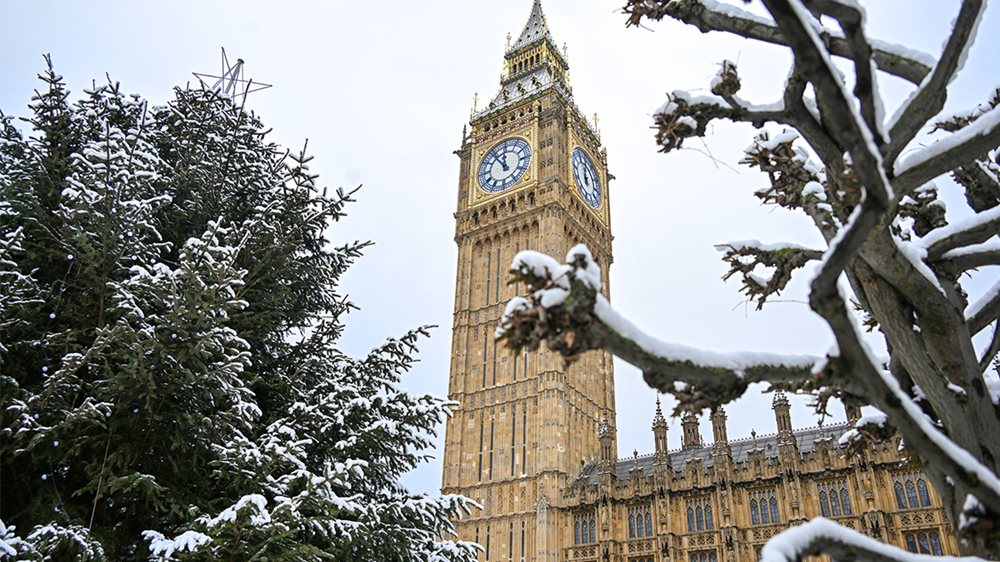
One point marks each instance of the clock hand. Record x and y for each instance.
(503, 162)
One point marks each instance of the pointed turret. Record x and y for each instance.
(719, 432)
(659, 431)
(782, 414)
(692, 437)
(606, 436)
(783, 418)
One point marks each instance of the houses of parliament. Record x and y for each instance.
(534, 441)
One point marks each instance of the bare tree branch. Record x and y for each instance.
(972, 260)
(961, 148)
(954, 236)
(930, 96)
(584, 320)
(851, 19)
(988, 313)
(785, 259)
(749, 26)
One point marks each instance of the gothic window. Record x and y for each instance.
(584, 528)
(925, 497)
(923, 542)
(911, 491)
(764, 507)
(707, 556)
(640, 522)
(699, 514)
(834, 498)
(845, 500)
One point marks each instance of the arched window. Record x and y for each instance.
(845, 500)
(576, 531)
(631, 524)
(754, 514)
(709, 522)
(765, 514)
(911, 494)
(691, 528)
(936, 544)
(699, 517)
(774, 511)
(585, 532)
(824, 504)
(649, 524)
(834, 503)
(922, 544)
(593, 529)
(925, 497)
(911, 542)
(900, 498)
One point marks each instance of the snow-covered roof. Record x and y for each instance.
(805, 439)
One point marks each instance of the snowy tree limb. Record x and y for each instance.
(566, 312)
(930, 96)
(978, 232)
(971, 260)
(943, 156)
(851, 19)
(987, 314)
(715, 17)
(744, 257)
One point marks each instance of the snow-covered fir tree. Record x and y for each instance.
(170, 380)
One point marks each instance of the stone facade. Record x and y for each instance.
(723, 501)
(533, 440)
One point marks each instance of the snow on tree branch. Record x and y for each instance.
(713, 15)
(744, 257)
(929, 97)
(565, 310)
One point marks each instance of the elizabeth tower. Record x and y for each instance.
(533, 176)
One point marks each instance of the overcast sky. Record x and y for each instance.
(382, 90)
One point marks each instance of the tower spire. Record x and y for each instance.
(536, 28)
(532, 65)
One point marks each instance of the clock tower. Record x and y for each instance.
(532, 175)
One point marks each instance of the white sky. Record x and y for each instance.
(382, 89)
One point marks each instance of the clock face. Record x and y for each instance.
(586, 178)
(504, 164)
